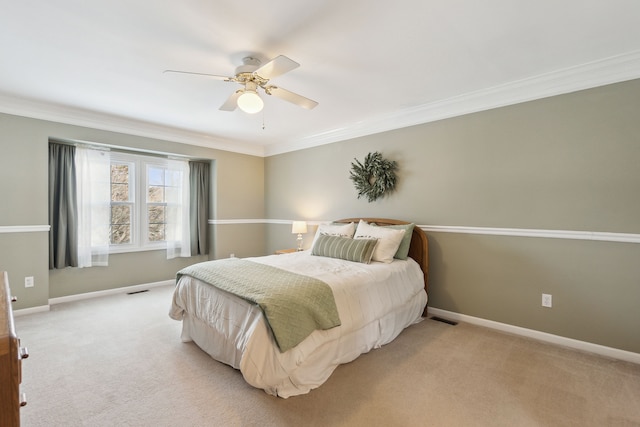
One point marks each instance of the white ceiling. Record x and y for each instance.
(372, 66)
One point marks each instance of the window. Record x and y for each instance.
(163, 189)
(122, 202)
(156, 203)
(149, 204)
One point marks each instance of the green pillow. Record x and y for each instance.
(356, 250)
(403, 249)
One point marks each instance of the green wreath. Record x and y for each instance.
(375, 177)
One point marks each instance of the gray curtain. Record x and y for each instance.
(63, 211)
(199, 209)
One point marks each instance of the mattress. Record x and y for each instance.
(375, 302)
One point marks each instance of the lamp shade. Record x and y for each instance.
(250, 102)
(299, 227)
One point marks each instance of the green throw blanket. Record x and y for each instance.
(294, 305)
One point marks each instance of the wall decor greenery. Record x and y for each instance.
(375, 177)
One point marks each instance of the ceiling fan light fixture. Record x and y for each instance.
(250, 102)
(252, 75)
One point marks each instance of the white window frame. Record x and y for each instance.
(140, 223)
(144, 226)
(118, 158)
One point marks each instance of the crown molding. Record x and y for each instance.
(78, 117)
(586, 76)
(610, 70)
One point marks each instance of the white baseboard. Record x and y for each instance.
(516, 330)
(87, 295)
(541, 336)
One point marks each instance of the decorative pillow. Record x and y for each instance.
(389, 240)
(403, 249)
(334, 229)
(346, 248)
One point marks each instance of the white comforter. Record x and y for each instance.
(375, 302)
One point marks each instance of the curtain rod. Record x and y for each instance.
(126, 150)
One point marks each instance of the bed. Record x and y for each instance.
(373, 303)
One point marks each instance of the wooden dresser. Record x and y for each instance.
(11, 355)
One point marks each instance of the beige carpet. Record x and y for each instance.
(118, 361)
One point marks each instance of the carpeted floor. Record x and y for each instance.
(118, 361)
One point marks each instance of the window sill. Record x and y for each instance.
(113, 251)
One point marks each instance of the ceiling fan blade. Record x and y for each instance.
(232, 102)
(213, 76)
(289, 96)
(276, 67)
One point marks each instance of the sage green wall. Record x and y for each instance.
(20, 257)
(241, 240)
(568, 162)
(24, 195)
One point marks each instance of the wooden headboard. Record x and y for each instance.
(419, 249)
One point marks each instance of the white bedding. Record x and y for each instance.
(375, 302)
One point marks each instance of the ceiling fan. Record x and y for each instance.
(252, 75)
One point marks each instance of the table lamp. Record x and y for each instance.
(299, 228)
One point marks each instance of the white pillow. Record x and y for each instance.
(343, 230)
(389, 240)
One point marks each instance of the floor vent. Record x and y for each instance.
(447, 321)
(137, 292)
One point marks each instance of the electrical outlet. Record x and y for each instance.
(546, 300)
(28, 282)
(232, 255)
